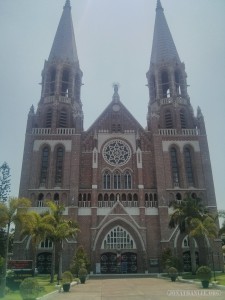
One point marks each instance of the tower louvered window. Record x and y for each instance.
(183, 121)
(59, 165)
(174, 166)
(168, 119)
(63, 119)
(52, 82)
(48, 123)
(188, 166)
(44, 165)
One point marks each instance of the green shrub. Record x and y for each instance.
(29, 288)
(67, 277)
(204, 273)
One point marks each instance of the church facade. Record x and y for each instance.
(116, 179)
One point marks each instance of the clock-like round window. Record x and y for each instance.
(116, 152)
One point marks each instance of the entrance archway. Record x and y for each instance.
(123, 257)
(44, 262)
(112, 263)
(187, 260)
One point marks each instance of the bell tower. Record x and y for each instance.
(169, 103)
(60, 105)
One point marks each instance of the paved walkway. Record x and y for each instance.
(137, 289)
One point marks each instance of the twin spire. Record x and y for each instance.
(64, 46)
(163, 47)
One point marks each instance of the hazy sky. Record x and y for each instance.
(114, 40)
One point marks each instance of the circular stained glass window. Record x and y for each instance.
(116, 152)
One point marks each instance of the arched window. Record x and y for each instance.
(107, 180)
(168, 119)
(56, 198)
(59, 165)
(174, 166)
(44, 165)
(63, 119)
(48, 119)
(183, 119)
(177, 83)
(65, 83)
(127, 180)
(165, 85)
(40, 200)
(116, 180)
(46, 244)
(118, 238)
(188, 166)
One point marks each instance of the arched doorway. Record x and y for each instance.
(121, 256)
(44, 261)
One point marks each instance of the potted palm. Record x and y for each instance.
(82, 274)
(67, 278)
(173, 273)
(204, 273)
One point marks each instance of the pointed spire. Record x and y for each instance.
(163, 47)
(64, 46)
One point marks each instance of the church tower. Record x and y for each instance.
(56, 126)
(116, 179)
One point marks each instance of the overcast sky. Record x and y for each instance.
(114, 40)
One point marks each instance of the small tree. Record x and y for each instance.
(5, 182)
(80, 259)
(9, 213)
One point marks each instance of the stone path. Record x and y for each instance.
(137, 289)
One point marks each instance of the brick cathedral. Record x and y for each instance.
(117, 178)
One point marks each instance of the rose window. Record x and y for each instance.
(116, 152)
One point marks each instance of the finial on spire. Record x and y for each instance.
(67, 4)
(116, 96)
(159, 5)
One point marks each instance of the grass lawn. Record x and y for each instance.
(44, 282)
(220, 278)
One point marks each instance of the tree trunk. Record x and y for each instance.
(3, 279)
(53, 264)
(192, 253)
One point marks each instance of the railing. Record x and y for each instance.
(46, 131)
(167, 131)
(41, 131)
(151, 203)
(178, 100)
(190, 132)
(186, 132)
(67, 131)
(62, 99)
(84, 203)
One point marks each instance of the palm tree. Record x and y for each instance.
(222, 215)
(191, 217)
(9, 213)
(62, 229)
(37, 226)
